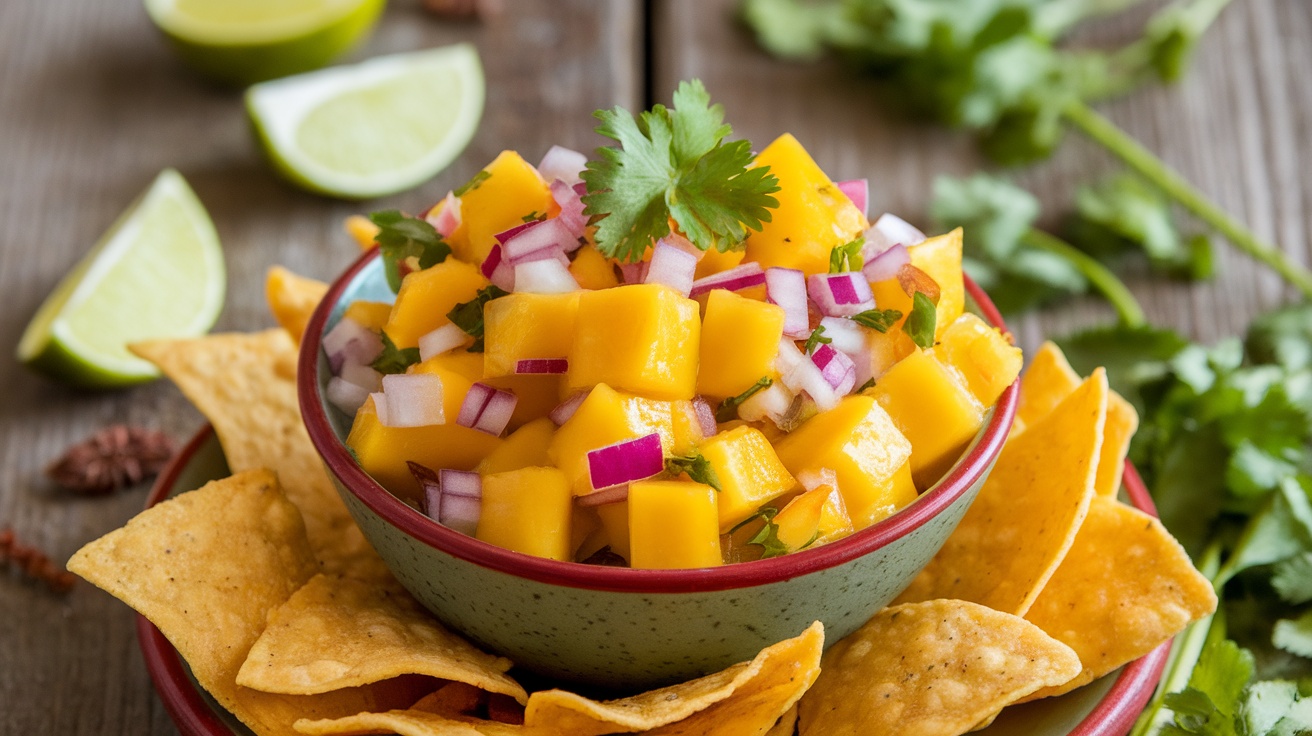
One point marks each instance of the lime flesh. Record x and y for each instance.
(157, 273)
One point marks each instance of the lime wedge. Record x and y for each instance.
(376, 128)
(244, 41)
(157, 273)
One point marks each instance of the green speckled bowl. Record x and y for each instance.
(620, 628)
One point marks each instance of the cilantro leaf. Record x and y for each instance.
(728, 409)
(394, 359)
(674, 164)
(1294, 635)
(921, 323)
(468, 316)
(401, 237)
(847, 257)
(879, 320)
(768, 537)
(1292, 578)
(474, 183)
(870, 383)
(1126, 213)
(815, 340)
(696, 466)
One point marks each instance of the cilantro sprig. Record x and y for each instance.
(696, 466)
(468, 316)
(879, 320)
(815, 340)
(674, 163)
(847, 257)
(402, 237)
(394, 359)
(728, 409)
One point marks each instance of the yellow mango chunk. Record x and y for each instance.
(458, 371)
(511, 189)
(869, 456)
(426, 296)
(370, 314)
(383, 451)
(673, 525)
(813, 214)
(932, 408)
(527, 326)
(984, 358)
(834, 521)
(593, 270)
(799, 521)
(523, 448)
(887, 348)
(615, 522)
(585, 529)
(528, 510)
(716, 261)
(940, 257)
(604, 418)
(740, 340)
(538, 395)
(642, 338)
(749, 471)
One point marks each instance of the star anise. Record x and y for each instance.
(115, 457)
(33, 563)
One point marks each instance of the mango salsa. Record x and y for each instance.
(500, 197)
(673, 525)
(528, 510)
(749, 472)
(740, 340)
(527, 326)
(425, 298)
(641, 338)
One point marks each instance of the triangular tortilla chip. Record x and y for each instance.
(1027, 514)
(936, 668)
(292, 299)
(206, 568)
(768, 685)
(407, 723)
(246, 385)
(786, 725)
(337, 632)
(1126, 587)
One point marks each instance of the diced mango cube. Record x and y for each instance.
(642, 338)
(869, 456)
(370, 314)
(984, 358)
(932, 408)
(585, 529)
(458, 371)
(593, 270)
(615, 522)
(749, 471)
(673, 525)
(426, 296)
(528, 510)
(383, 451)
(525, 447)
(527, 326)
(799, 522)
(834, 520)
(740, 341)
(940, 257)
(605, 417)
(813, 215)
(887, 348)
(538, 395)
(511, 190)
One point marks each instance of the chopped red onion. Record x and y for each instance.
(886, 265)
(571, 211)
(412, 400)
(836, 367)
(625, 462)
(461, 500)
(564, 164)
(865, 368)
(772, 403)
(787, 288)
(487, 409)
(345, 395)
(445, 338)
(544, 277)
(633, 273)
(505, 235)
(705, 417)
(672, 266)
(447, 219)
(840, 294)
(429, 483)
(350, 340)
(566, 408)
(604, 496)
(888, 231)
(498, 270)
(846, 335)
(536, 237)
(857, 190)
(541, 366)
(799, 374)
(460, 483)
(735, 279)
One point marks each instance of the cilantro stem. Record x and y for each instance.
(1119, 143)
(1106, 282)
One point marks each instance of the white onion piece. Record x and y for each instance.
(544, 277)
(363, 376)
(460, 511)
(888, 231)
(487, 409)
(788, 356)
(837, 368)
(705, 417)
(571, 212)
(786, 287)
(447, 218)
(445, 338)
(865, 366)
(562, 163)
(605, 496)
(350, 340)
(840, 294)
(625, 462)
(672, 266)
(460, 483)
(886, 265)
(498, 270)
(566, 408)
(846, 335)
(380, 407)
(541, 366)
(345, 395)
(537, 236)
(735, 279)
(770, 403)
(800, 375)
(412, 400)
(857, 190)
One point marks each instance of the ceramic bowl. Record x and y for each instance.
(621, 628)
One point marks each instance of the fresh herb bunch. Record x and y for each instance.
(674, 164)
(401, 238)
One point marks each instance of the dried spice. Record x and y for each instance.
(33, 563)
(115, 457)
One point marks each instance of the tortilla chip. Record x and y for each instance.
(337, 632)
(206, 568)
(292, 299)
(246, 385)
(936, 668)
(1126, 587)
(787, 724)
(1050, 379)
(406, 723)
(1027, 514)
(746, 695)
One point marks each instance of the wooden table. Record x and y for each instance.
(93, 105)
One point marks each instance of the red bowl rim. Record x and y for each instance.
(593, 577)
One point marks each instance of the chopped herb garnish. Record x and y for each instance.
(401, 237)
(879, 320)
(816, 339)
(921, 323)
(768, 537)
(728, 409)
(868, 384)
(473, 184)
(468, 316)
(673, 163)
(696, 466)
(394, 359)
(534, 217)
(847, 257)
